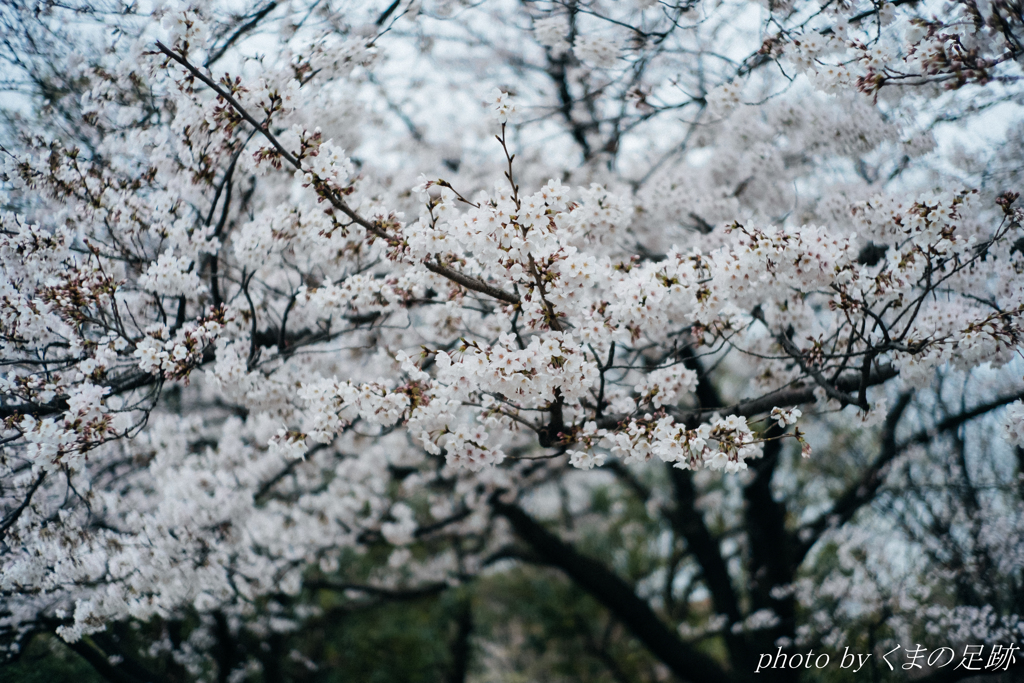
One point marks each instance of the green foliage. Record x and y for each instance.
(48, 660)
(535, 625)
(405, 642)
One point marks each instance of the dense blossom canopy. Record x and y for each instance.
(286, 284)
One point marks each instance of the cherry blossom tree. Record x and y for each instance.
(705, 306)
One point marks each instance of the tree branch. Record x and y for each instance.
(684, 660)
(12, 518)
(865, 489)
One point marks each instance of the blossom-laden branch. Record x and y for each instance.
(376, 228)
